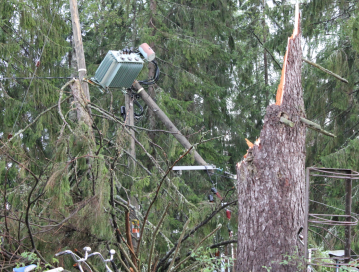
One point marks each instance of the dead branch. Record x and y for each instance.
(204, 222)
(224, 243)
(325, 70)
(93, 106)
(154, 236)
(179, 244)
(196, 247)
(156, 194)
(37, 118)
(127, 258)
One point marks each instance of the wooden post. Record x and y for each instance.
(81, 97)
(131, 122)
(166, 121)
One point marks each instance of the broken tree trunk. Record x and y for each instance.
(271, 178)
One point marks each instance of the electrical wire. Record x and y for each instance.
(152, 80)
(330, 206)
(15, 78)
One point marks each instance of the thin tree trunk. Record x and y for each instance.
(271, 179)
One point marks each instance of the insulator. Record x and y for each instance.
(228, 214)
(210, 198)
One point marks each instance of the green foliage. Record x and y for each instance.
(214, 79)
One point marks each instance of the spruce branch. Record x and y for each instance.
(29, 204)
(275, 61)
(123, 263)
(38, 117)
(157, 192)
(115, 119)
(59, 103)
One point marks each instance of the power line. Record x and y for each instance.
(330, 206)
(7, 78)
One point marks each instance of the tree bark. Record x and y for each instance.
(151, 73)
(271, 179)
(131, 122)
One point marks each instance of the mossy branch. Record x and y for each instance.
(316, 127)
(326, 70)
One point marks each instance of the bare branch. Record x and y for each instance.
(154, 236)
(178, 244)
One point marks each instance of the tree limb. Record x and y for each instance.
(204, 222)
(325, 70)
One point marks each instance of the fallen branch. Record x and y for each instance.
(196, 247)
(204, 222)
(156, 194)
(127, 258)
(154, 236)
(178, 244)
(224, 243)
(325, 70)
(114, 118)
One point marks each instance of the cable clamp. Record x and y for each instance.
(82, 69)
(140, 90)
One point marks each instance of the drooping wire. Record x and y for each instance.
(153, 80)
(28, 88)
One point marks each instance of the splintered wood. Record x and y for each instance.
(271, 177)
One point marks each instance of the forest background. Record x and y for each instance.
(220, 67)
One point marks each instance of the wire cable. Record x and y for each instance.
(15, 78)
(330, 206)
(153, 80)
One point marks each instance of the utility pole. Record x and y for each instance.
(131, 122)
(166, 121)
(81, 95)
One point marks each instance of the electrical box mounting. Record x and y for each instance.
(118, 69)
